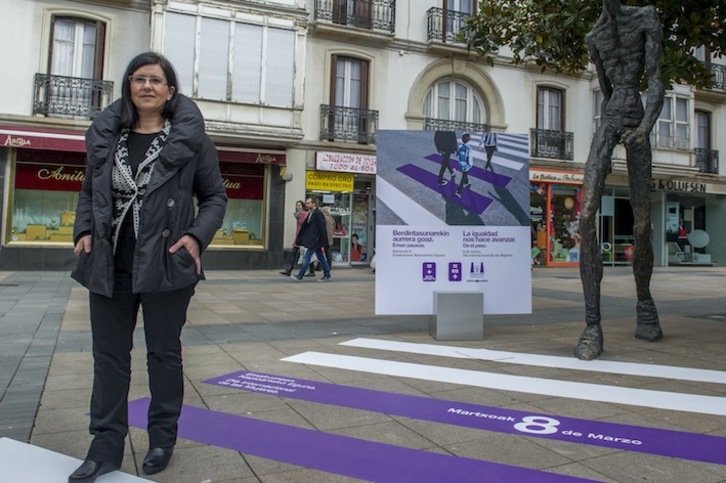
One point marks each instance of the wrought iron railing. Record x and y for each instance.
(706, 160)
(445, 25)
(719, 76)
(338, 123)
(431, 124)
(552, 144)
(367, 14)
(70, 96)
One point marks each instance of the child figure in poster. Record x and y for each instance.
(463, 154)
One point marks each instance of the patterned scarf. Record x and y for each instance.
(128, 190)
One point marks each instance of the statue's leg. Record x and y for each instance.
(590, 345)
(639, 171)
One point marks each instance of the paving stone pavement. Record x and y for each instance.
(250, 320)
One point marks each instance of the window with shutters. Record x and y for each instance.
(672, 130)
(237, 61)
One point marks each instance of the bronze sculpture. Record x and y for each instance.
(625, 44)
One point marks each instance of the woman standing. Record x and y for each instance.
(300, 215)
(139, 243)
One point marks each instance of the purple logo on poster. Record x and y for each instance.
(429, 272)
(455, 272)
(476, 270)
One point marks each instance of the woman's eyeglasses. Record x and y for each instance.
(140, 80)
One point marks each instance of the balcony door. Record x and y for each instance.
(77, 48)
(703, 130)
(705, 158)
(353, 12)
(549, 139)
(76, 59)
(463, 6)
(349, 96)
(550, 110)
(455, 11)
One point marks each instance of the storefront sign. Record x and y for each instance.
(230, 155)
(49, 177)
(556, 176)
(243, 187)
(678, 185)
(344, 162)
(325, 181)
(248, 184)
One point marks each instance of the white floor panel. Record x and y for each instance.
(25, 463)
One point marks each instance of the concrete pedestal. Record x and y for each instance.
(457, 316)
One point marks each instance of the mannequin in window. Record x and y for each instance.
(356, 249)
(682, 236)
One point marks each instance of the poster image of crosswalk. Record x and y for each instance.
(452, 214)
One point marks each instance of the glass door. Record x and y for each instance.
(564, 223)
(339, 205)
(359, 228)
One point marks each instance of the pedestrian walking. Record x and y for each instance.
(313, 236)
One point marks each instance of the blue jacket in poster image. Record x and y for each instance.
(463, 153)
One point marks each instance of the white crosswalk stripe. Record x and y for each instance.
(511, 153)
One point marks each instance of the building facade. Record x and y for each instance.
(293, 93)
(381, 64)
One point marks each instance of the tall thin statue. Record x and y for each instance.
(625, 44)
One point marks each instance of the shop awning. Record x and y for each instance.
(67, 140)
(42, 138)
(232, 154)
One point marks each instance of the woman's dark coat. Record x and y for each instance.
(187, 166)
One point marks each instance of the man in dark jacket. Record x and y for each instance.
(313, 236)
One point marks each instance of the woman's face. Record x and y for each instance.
(149, 90)
(298, 206)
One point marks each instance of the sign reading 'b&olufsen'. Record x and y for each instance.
(328, 181)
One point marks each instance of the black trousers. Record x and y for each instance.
(112, 323)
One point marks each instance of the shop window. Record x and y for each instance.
(46, 191)
(243, 223)
(44, 196)
(537, 209)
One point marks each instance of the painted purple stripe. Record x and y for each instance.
(343, 455)
(469, 199)
(475, 171)
(677, 444)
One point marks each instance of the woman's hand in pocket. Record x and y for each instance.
(190, 243)
(83, 245)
